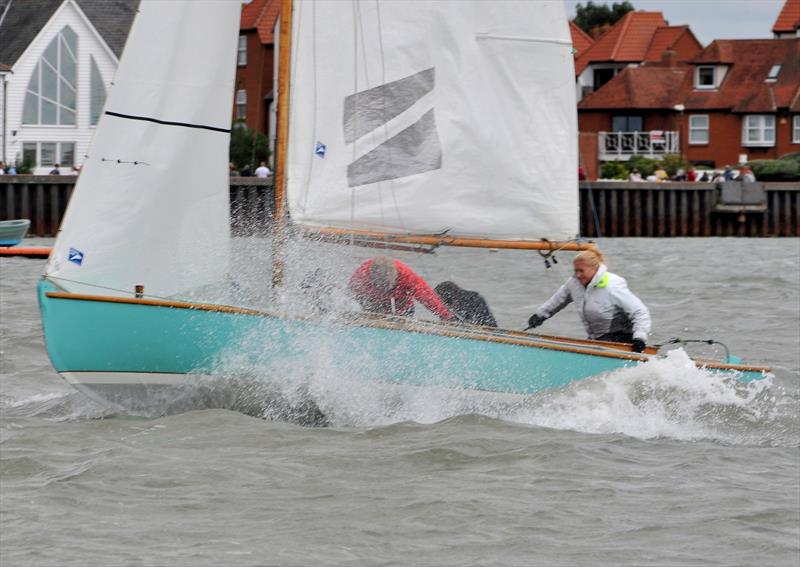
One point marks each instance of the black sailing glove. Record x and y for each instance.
(535, 321)
(638, 345)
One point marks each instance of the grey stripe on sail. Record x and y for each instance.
(366, 110)
(414, 150)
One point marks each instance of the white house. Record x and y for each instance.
(57, 59)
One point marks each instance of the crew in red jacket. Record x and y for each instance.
(385, 285)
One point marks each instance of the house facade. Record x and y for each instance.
(638, 38)
(255, 66)
(58, 58)
(737, 101)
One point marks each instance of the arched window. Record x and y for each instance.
(50, 98)
(97, 94)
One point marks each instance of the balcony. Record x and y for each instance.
(620, 146)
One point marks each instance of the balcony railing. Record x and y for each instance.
(620, 146)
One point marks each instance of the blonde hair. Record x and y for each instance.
(591, 257)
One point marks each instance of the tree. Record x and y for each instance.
(248, 147)
(596, 19)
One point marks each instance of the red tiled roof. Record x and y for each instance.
(261, 15)
(250, 12)
(580, 39)
(744, 88)
(627, 41)
(639, 87)
(664, 39)
(789, 18)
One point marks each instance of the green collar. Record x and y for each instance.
(603, 281)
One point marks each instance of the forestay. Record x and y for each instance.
(151, 204)
(425, 117)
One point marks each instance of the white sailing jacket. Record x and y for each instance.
(605, 306)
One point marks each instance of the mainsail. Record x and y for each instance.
(151, 204)
(433, 117)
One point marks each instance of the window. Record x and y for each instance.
(796, 129)
(241, 104)
(47, 154)
(602, 76)
(627, 124)
(241, 54)
(772, 76)
(50, 97)
(705, 78)
(698, 129)
(97, 94)
(758, 130)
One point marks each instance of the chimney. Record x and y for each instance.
(669, 58)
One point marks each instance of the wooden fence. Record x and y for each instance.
(606, 208)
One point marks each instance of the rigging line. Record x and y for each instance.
(168, 122)
(314, 99)
(356, 27)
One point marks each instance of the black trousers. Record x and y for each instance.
(616, 337)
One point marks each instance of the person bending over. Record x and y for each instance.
(468, 306)
(608, 309)
(385, 285)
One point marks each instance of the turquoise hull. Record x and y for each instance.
(136, 355)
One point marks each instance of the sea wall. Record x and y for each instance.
(607, 208)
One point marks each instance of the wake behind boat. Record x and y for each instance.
(398, 150)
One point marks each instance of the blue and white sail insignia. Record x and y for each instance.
(75, 256)
(320, 149)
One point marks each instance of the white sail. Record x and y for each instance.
(424, 117)
(151, 204)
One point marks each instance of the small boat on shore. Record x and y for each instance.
(13, 231)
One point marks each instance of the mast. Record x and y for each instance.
(281, 145)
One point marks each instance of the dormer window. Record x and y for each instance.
(705, 77)
(773, 73)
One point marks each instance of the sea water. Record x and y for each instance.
(660, 464)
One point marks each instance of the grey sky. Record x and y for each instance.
(710, 19)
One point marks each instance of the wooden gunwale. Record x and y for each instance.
(444, 240)
(431, 328)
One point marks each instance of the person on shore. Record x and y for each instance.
(468, 306)
(746, 174)
(635, 175)
(263, 171)
(232, 171)
(55, 170)
(608, 309)
(385, 285)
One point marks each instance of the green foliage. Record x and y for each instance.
(248, 147)
(673, 162)
(613, 170)
(594, 19)
(776, 169)
(794, 156)
(24, 167)
(645, 165)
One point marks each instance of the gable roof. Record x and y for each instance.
(24, 20)
(627, 42)
(261, 15)
(580, 39)
(743, 90)
(789, 18)
(639, 88)
(667, 39)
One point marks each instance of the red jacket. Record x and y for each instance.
(408, 288)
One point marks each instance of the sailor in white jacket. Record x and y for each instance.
(608, 309)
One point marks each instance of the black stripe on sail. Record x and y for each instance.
(169, 123)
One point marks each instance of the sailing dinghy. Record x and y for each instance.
(430, 123)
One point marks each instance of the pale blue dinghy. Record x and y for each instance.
(13, 231)
(399, 149)
(143, 355)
